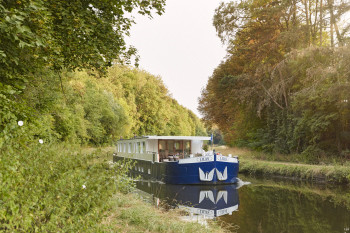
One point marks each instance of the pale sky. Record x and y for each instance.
(181, 46)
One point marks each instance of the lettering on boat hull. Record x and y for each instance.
(221, 158)
(197, 160)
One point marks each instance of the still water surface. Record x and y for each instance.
(264, 205)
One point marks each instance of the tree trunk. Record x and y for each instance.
(307, 23)
(294, 13)
(321, 21)
(330, 5)
(339, 37)
(314, 25)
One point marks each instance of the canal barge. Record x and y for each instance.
(177, 160)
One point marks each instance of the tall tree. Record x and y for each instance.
(59, 34)
(254, 94)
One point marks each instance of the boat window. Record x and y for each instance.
(162, 145)
(138, 147)
(187, 148)
(162, 149)
(171, 147)
(178, 145)
(144, 147)
(129, 150)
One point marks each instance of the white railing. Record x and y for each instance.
(142, 156)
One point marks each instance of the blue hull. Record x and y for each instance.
(189, 171)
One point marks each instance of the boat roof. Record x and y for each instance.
(200, 138)
(179, 137)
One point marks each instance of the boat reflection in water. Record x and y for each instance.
(200, 201)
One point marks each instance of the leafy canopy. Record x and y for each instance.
(283, 86)
(36, 35)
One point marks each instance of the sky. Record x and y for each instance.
(181, 47)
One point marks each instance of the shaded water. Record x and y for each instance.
(262, 206)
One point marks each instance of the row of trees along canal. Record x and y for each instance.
(284, 85)
(44, 43)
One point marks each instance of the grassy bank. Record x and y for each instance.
(257, 163)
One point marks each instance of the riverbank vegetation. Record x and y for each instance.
(283, 87)
(60, 73)
(93, 109)
(316, 173)
(65, 83)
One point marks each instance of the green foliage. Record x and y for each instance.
(151, 110)
(38, 35)
(51, 187)
(320, 173)
(76, 34)
(47, 185)
(217, 135)
(83, 107)
(104, 114)
(205, 147)
(281, 95)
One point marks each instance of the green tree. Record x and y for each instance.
(151, 109)
(56, 35)
(270, 91)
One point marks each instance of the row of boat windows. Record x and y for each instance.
(132, 147)
(140, 169)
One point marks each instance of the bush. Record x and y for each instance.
(53, 187)
(312, 154)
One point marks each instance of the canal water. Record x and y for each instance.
(258, 205)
